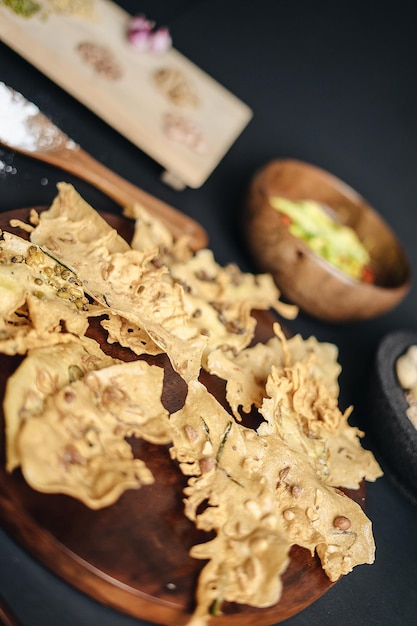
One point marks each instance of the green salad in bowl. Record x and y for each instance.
(335, 242)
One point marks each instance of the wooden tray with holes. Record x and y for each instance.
(133, 555)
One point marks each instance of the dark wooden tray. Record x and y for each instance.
(7, 618)
(133, 556)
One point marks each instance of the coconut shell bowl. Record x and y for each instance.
(306, 278)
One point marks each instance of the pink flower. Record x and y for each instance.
(139, 22)
(139, 39)
(160, 40)
(143, 35)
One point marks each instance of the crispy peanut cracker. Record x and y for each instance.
(41, 374)
(151, 233)
(123, 279)
(70, 410)
(76, 445)
(74, 220)
(250, 550)
(304, 411)
(39, 298)
(128, 335)
(260, 493)
(246, 373)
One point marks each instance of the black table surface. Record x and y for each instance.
(332, 84)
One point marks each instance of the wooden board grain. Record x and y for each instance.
(132, 104)
(133, 555)
(7, 617)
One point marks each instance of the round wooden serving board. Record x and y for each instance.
(7, 618)
(133, 555)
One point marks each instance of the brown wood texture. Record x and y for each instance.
(7, 617)
(133, 555)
